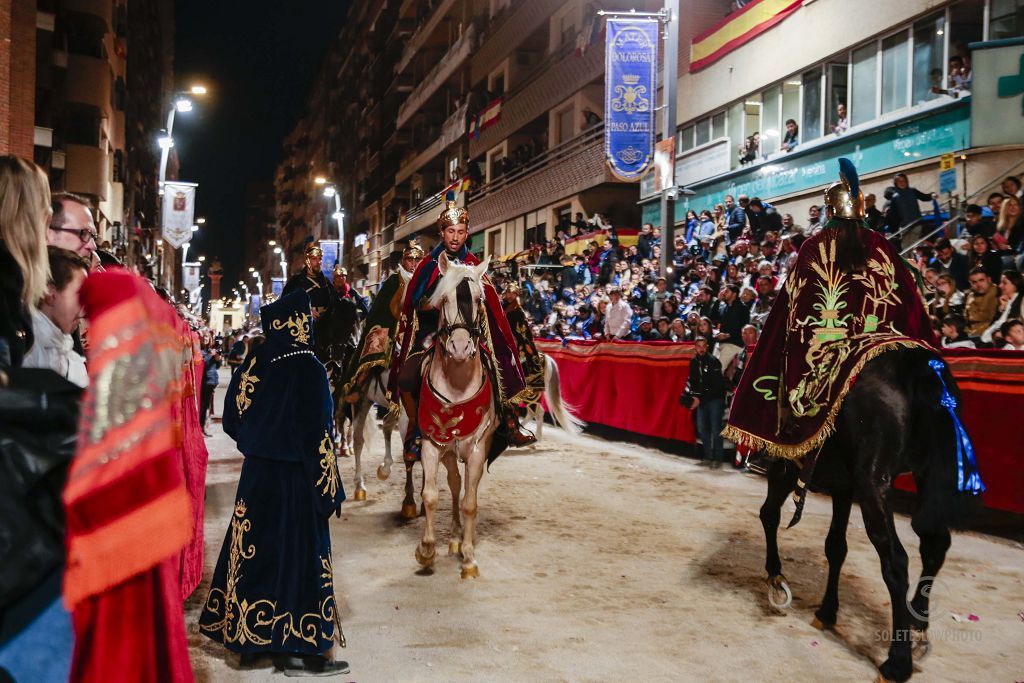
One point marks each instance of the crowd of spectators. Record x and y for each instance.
(730, 261)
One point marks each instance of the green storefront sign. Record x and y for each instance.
(931, 135)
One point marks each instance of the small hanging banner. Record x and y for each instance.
(178, 212)
(331, 253)
(277, 286)
(631, 62)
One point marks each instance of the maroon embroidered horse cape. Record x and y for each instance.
(824, 326)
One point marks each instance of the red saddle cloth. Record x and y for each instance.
(443, 422)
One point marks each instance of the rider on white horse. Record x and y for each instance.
(419, 324)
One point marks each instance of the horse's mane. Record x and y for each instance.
(451, 279)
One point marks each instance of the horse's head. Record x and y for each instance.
(460, 299)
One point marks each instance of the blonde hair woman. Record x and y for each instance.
(1010, 226)
(24, 268)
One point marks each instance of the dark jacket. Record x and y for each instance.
(645, 245)
(736, 219)
(958, 268)
(903, 208)
(705, 380)
(991, 262)
(210, 367)
(734, 319)
(15, 322)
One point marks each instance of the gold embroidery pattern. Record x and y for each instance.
(246, 385)
(328, 467)
(297, 326)
(244, 622)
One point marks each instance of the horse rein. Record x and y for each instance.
(475, 330)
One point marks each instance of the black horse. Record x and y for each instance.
(896, 418)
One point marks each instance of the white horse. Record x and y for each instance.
(457, 415)
(376, 394)
(561, 412)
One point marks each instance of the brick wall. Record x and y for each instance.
(17, 76)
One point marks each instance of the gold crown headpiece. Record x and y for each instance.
(339, 269)
(412, 251)
(314, 250)
(452, 215)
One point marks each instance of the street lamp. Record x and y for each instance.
(283, 263)
(200, 220)
(331, 192)
(181, 103)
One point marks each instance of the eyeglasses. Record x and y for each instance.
(84, 234)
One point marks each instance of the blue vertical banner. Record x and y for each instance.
(332, 251)
(276, 286)
(630, 90)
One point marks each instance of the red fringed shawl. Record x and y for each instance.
(824, 326)
(126, 504)
(194, 457)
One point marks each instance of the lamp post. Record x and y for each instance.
(331, 192)
(182, 104)
(284, 264)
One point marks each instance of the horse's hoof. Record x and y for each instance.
(779, 595)
(383, 472)
(425, 560)
(360, 494)
(883, 679)
(819, 624)
(454, 547)
(471, 572)
(920, 645)
(410, 511)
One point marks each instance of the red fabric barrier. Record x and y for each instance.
(635, 386)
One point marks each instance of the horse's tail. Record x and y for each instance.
(562, 412)
(945, 469)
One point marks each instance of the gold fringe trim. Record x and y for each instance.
(793, 451)
(379, 363)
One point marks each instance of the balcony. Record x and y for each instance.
(86, 171)
(451, 131)
(457, 54)
(103, 9)
(423, 33)
(421, 217)
(551, 83)
(560, 172)
(508, 33)
(89, 81)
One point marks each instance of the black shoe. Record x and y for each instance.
(309, 666)
(252, 660)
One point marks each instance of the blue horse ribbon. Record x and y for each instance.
(968, 477)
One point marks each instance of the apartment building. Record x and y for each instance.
(425, 94)
(868, 80)
(91, 91)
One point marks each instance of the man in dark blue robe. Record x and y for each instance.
(273, 588)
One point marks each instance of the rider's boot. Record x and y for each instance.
(517, 435)
(411, 447)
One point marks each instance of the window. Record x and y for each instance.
(791, 101)
(810, 120)
(685, 139)
(702, 132)
(494, 243)
(929, 44)
(718, 125)
(837, 77)
(894, 72)
(734, 125)
(771, 126)
(864, 92)
(1007, 19)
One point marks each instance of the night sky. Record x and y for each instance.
(258, 60)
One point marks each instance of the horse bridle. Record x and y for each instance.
(475, 329)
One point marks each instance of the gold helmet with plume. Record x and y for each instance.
(845, 199)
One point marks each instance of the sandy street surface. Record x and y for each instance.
(603, 561)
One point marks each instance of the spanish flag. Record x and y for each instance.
(738, 28)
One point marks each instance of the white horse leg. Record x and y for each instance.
(384, 469)
(358, 427)
(474, 472)
(455, 485)
(539, 413)
(426, 551)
